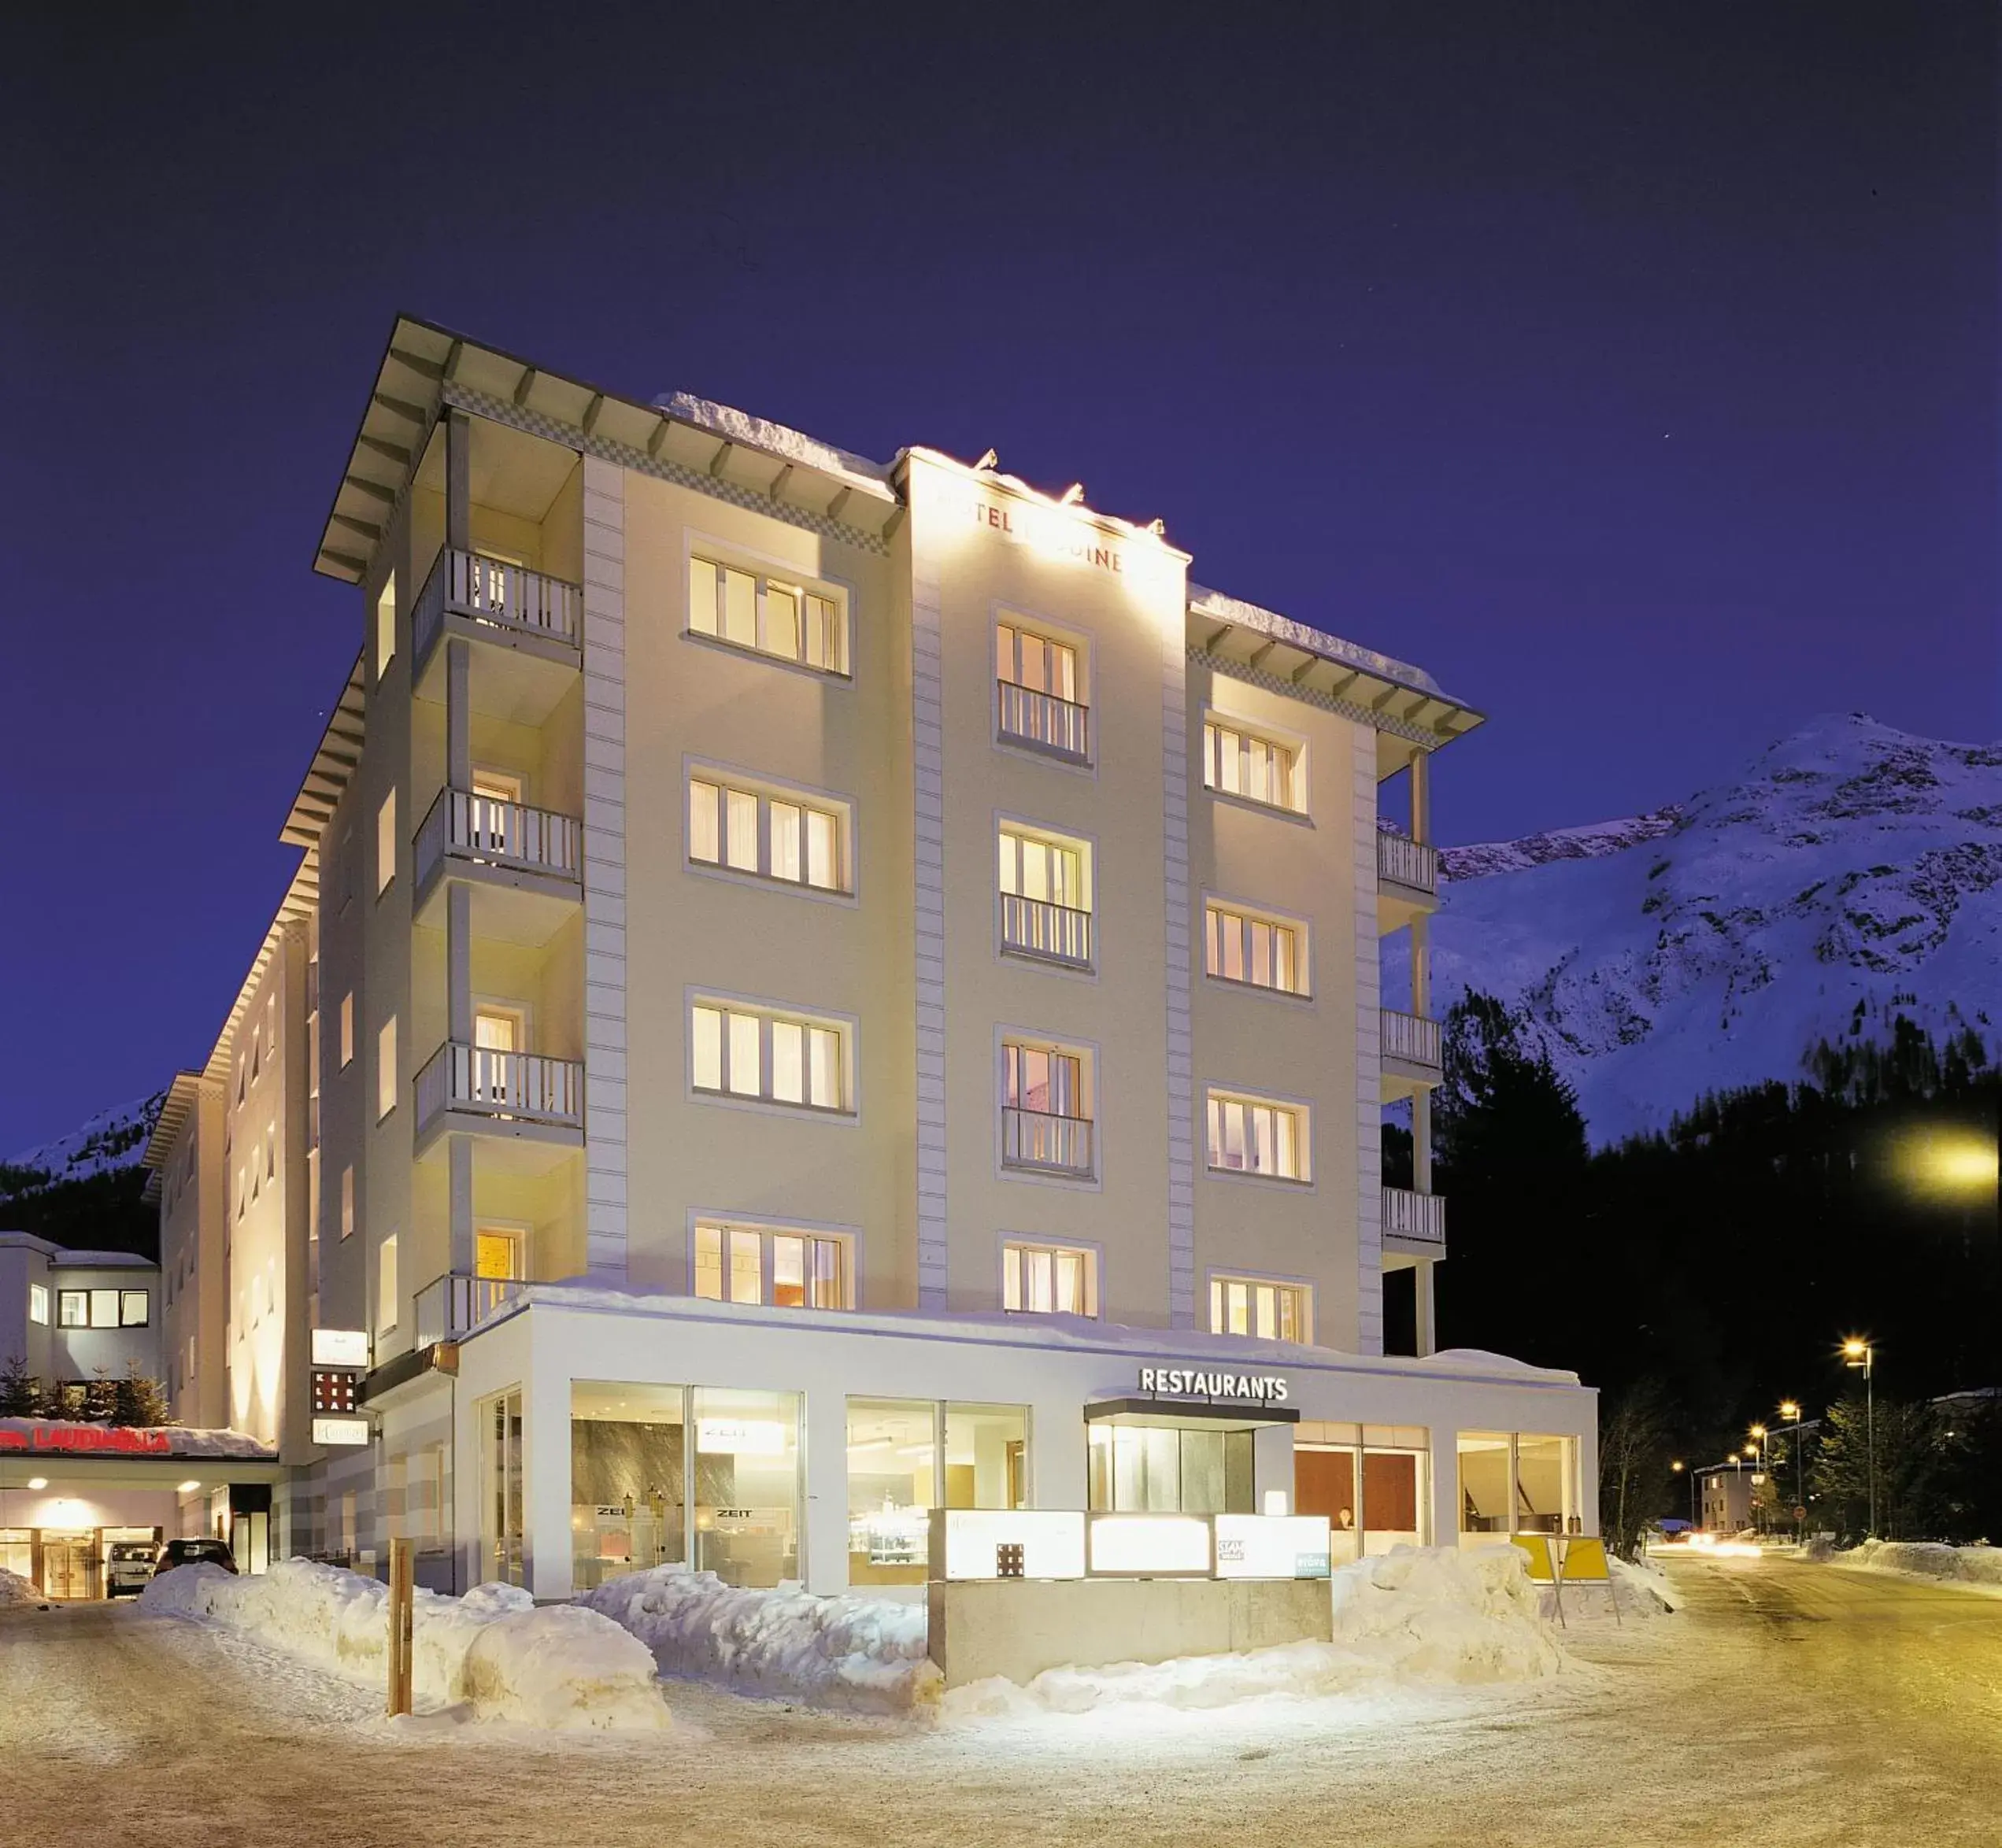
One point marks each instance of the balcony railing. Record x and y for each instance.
(1418, 1216)
(449, 1308)
(1036, 1139)
(518, 1086)
(1405, 862)
(1045, 721)
(508, 597)
(1057, 933)
(488, 830)
(1411, 1038)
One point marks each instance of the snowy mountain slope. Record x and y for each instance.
(1851, 872)
(112, 1139)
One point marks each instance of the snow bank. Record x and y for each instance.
(1301, 1670)
(1644, 1588)
(1435, 1614)
(1976, 1565)
(14, 1589)
(560, 1667)
(864, 1654)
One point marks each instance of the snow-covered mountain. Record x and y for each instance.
(1853, 873)
(113, 1138)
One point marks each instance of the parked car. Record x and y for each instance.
(128, 1568)
(199, 1552)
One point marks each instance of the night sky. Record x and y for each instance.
(1630, 368)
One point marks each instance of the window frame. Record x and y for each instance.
(1010, 1042)
(1248, 914)
(388, 1089)
(765, 573)
(845, 1239)
(1255, 731)
(1009, 827)
(1301, 1109)
(40, 1306)
(126, 1320)
(769, 1013)
(1017, 1248)
(1022, 624)
(1299, 1288)
(728, 779)
(72, 1309)
(388, 844)
(389, 1283)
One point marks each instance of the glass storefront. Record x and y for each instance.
(1368, 1480)
(1516, 1482)
(1140, 1469)
(908, 1456)
(634, 1450)
(501, 1521)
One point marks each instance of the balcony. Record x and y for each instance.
(1411, 1054)
(1042, 1143)
(495, 601)
(1049, 932)
(1043, 721)
(1407, 880)
(508, 848)
(520, 1094)
(449, 1308)
(1414, 1221)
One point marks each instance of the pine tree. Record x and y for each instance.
(1907, 1466)
(20, 1391)
(138, 1401)
(100, 1398)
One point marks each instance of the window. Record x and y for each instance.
(1259, 952)
(1045, 897)
(767, 614)
(72, 1309)
(760, 1264)
(1046, 1109)
(347, 1201)
(385, 629)
(1048, 1280)
(386, 1068)
(386, 1289)
(1041, 702)
(38, 1303)
(1249, 1306)
(270, 1152)
(386, 844)
(100, 1309)
(1250, 1136)
(135, 1308)
(778, 837)
(347, 1029)
(737, 1052)
(497, 1253)
(907, 1456)
(1240, 762)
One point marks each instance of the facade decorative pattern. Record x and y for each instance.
(1181, 1054)
(1384, 721)
(1369, 1052)
(928, 862)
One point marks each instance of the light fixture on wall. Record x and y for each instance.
(37, 1482)
(185, 1488)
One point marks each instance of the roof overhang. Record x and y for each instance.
(1189, 1414)
(334, 760)
(178, 1106)
(424, 363)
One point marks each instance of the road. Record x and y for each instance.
(1788, 1704)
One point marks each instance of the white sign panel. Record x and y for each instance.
(1052, 1540)
(340, 1347)
(1272, 1546)
(741, 1437)
(1143, 1545)
(1201, 1382)
(338, 1431)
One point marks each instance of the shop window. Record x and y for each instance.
(1157, 1470)
(502, 1517)
(628, 1473)
(765, 1264)
(1264, 1310)
(1257, 1136)
(906, 1456)
(782, 835)
(739, 1052)
(1369, 1480)
(747, 1485)
(1048, 1280)
(1516, 1482)
(768, 616)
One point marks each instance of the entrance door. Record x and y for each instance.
(69, 1565)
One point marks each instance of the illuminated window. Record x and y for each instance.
(1041, 700)
(1254, 1136)
(776, 835)
(1045, 896)
(764, 1264)
(347, 1029)
(739, 1051)
(1240, 762)
(1046, 1108)
(135, 1308)
(72, 1309)
(1262, 952)
(386, 843)
(1048, 1280)
(1251, 1305)
(386, 1068)
(385, 629)
(387, 1293)
(497, 1253)
(347, 1201)
(38, 1303)
(768, 616)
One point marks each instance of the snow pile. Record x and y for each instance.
(14, 1589)
(1301, 1670)
(1434, 1614)
(1976, 1565)
(1644, 1587)
(560, 1667)
(864, 1654)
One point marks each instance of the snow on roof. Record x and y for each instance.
(777, 439)
(181, 1440)
(1235, 609)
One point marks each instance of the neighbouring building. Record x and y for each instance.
(818, 990)
(1725, 1492)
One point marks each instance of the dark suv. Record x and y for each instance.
(173, 1553)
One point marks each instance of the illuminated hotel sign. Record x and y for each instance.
(1259, 1388)
(90, 1441)
(1049, 529)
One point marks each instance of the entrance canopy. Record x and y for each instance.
(1188, 1414)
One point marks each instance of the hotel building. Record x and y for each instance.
(811, 986)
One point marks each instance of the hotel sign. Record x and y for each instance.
(1180, 1382)
(1052, 530)
(90, 1440)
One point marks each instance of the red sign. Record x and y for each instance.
(116, 1439)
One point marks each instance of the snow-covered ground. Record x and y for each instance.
(14, 1589)
(492, 1650)
(1925, 1559)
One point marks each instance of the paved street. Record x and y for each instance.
(1791, 1704)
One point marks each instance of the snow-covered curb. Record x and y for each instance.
(1928, 1559)
(864, 1654)
(560, 1667)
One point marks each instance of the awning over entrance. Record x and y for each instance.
(1188, 1414)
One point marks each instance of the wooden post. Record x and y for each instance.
(402, 1615)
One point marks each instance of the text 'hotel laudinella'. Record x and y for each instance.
(818, 991)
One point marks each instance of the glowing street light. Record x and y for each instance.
(1680, 1468)
(1789, 1409)
(1858, 1352)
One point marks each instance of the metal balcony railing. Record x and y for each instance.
(508, 597)
(449, 1308)
(1037, 1139)
(523, 1086)
(1057, 933)
(1405, 862)
(1418, 1216)
(1411, 1038)
(490, 831)
(1045, 721)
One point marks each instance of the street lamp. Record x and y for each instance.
(1680, 1468)
(1859, 1353)
(1790, 1410)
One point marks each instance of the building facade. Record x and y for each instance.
(810, 981)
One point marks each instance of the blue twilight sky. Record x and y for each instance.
(1631, 367)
